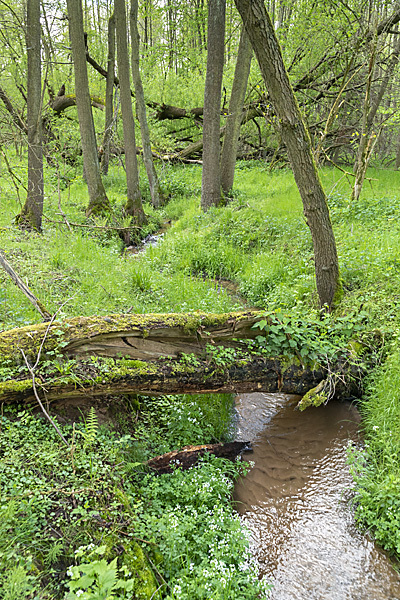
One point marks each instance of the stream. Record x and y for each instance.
(294, 501)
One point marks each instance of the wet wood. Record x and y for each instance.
(188, 456)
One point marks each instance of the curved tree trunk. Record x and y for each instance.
(211, 175)
(155, 191)
(234, 120)
(98, 201)
(105, 159)
(134, 203)
(32, 211)
(298, 144)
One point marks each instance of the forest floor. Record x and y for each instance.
(91, 519)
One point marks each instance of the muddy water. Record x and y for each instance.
(294, 501)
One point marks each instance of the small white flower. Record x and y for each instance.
(79, 593)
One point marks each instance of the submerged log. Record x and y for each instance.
(188, 456)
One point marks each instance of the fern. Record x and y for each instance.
(91, 428)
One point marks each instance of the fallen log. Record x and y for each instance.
(188, 456)
(160, 354)
(137, 336)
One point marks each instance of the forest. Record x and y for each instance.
(199, 199)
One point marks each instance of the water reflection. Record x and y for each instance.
(294, 501)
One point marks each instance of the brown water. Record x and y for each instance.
(295, 503)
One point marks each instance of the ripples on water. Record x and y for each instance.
(294, 501)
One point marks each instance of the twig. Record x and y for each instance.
(24, 288)
(46, 414)
(32, 373)
(106, 227)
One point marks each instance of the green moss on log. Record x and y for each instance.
(60, 334)
(314, 397)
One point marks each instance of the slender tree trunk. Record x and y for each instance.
(32, 211)
(109, 96)
(134, 203)
(368, 138)
(298, 144)
(211, 176)
(234, 120)
(98, 201)
(155, 191)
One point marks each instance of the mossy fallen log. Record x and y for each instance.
(143, 337)
(115, 377)
(155, 354)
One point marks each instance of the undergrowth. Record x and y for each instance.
(92, 522)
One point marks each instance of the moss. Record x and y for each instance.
(314, 397)
(13, 387)
(137, 564)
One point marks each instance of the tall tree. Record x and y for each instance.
(134, 202)
(32, 211)
(98, 201)
(298, 144)
(211, 176)
(155, 190)
(234, 120)
(368, 138)
(109, 118)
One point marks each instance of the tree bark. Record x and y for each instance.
(98, 201)
(32, 211)
(155, 190)
(134, 202)
(108, 125)
(234, 120)
(211, 175)
(298, 143)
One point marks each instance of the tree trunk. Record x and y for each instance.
(108, 125)
(155, 190)
(134, 203)
(211, 175)
(32, 211)
(234, 120)
(165, 354)
(368, 138)
(298, 143)
(98, 201)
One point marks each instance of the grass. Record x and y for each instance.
(260, 242)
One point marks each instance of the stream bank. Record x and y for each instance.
(295, 502)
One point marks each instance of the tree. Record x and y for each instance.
(105, 159)
(98, 201)
(235, 116)
(134, 202)
(368, 138)
(155, 190)
(298, 144)
(211, 176)
(32, 211)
